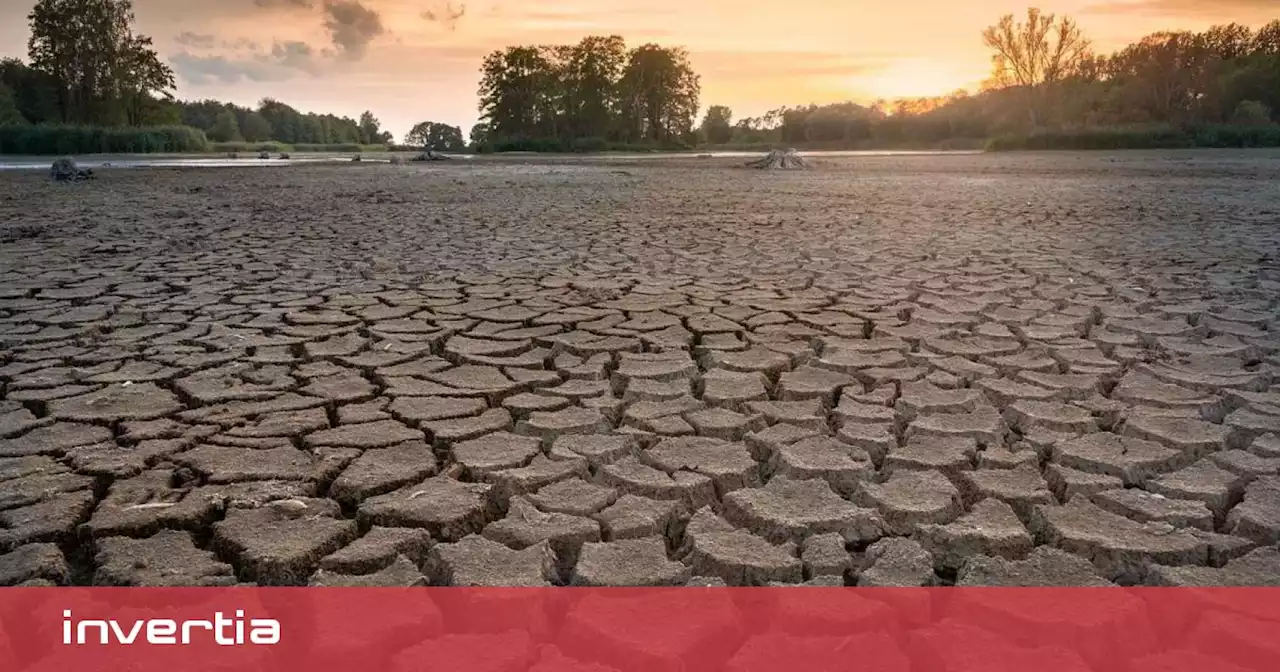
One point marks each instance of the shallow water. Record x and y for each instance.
(205, 161)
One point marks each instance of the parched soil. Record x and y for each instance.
(1008, 370)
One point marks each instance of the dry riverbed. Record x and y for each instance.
(1047, 369)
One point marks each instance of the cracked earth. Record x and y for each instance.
(895, 371)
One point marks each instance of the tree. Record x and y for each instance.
(716, 125)
(225, 128)
(370, 132)
(101, 71)
(1035, 54)
(435, 136)
(255, 127)
(34, 92)
(1251, 113)
(658, 94)
(480, 135)
(9, 114)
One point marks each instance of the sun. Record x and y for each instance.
(914, 78)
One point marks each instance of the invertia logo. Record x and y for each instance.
(163, 631)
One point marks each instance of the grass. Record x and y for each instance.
(67, 140)
(1153, 137)
(273, 146)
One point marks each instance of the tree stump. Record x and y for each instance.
(430, 155)
(264, 155)
(780, 160)
(66, 170)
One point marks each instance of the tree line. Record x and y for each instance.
(1216, 87)
(587, 95)
(87, 68)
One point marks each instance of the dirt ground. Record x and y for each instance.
(1007, 370)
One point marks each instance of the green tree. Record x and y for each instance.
(590, 73)
(480, 135)
(435, 136)
(255, 127)
(658, 94)
(1034, 55)
(100, 69)
(225, 128)
(717, 125)
(9, 114)
(370, 132)
(517, 90)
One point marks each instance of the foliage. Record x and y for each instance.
(435, 136)
(1157, 137)
(273, 146)
(68, 139)
(589, 94)
(225, 128)
(9, 114)
(100, 71)
(716, 125)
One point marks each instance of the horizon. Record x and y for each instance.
(348, 56)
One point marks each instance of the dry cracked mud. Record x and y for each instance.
(1009, 370)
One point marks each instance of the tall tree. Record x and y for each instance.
(591, 69)
(717, 124)
(659, 94)
(435, 136)
(225, 128)
(9, 114)
(255, 127)
(370, 132)
(100, 69)
(1034, 55)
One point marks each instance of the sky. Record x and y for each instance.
(419, 60)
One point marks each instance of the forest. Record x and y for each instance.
(91, 84)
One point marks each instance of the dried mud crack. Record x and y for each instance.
(903, 372)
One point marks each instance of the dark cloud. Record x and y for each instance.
(287, 4)
(352, 26)
(1207, 9)
(284, 61)
(196, 40)
(446, 15)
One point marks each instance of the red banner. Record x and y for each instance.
(799, 629)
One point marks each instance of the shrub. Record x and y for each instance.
(65, 139)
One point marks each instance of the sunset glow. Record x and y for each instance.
(752, 55)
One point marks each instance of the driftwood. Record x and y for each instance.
(780, 160)
(264, 155)
(430, 155)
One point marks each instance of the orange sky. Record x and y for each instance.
(391, 57)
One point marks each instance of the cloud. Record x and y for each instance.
(285, 60)
(446, 16)
(1207, 9)
(196, 40)
(285, 4)
(352, 26)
